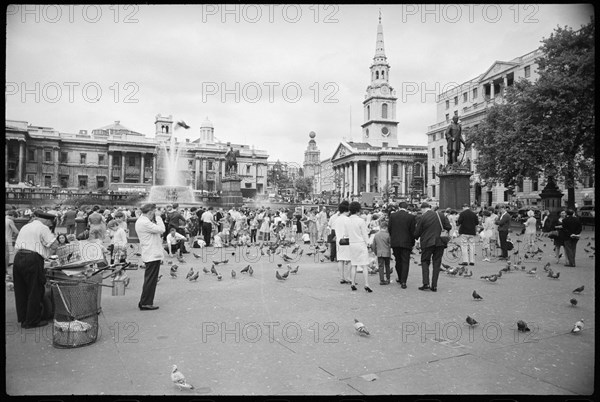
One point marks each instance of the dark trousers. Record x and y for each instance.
(253, 235)
(503, 235)
(150, 281)
(402, 256)
(570, 248)
(206, 232)
(179, 246)
(29, 280)
(384, 263)
(431, 254)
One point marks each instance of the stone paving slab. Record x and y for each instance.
(210, 330)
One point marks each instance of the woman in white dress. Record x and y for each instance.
(530, 231)
(342, 252)
(486, 234)
(356, 230)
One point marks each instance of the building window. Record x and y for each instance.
(248, 185)
(474, 93)
(47, 181)
(465, 97)
(64, 157)
(433, 136)
(48, 156)
(433, 153)
(247, 169)
(31, 179)
(447, 104)
(534, 184)
(100, 181)
(384, 144)
(190, 164)
(210, 165)
(395, 169)
(384, 111)
(31, 155)
(455, 100)
(432, 172)
(441, 150)
(64, 181)
(527, 71)
(83, 160)
(100, 159)
(447, 117)
(433, 191)
(82, 181)
(132, 161)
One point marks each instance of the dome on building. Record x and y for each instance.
(312, 134)
(206, 124)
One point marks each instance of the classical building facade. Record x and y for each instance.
(116, 158)
(470, 101)
(378, 163)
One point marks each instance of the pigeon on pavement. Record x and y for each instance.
(278, 276)
(213, 270)
(179, 379)
(250, 270)
(190, 273)
(360, 328)
(578, 326)
(579, 289)
(573, 302)
(233, 273)
(245, 269)
(195, 276)
(471, 321)
(476, 296)
(522, 326)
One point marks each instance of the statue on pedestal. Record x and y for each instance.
(231, 161)
(454, 139)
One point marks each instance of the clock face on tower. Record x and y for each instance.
(385, 90)
(385, 131)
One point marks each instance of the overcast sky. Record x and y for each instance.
(264, 75)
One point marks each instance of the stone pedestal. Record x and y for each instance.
(454, 187)
(231, 194)
(551, 196)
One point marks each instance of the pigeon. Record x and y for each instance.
(446, 266)
(279, 265)
(195, 276)
(159, 276)
(250, 271)
(233, 273)
(573, 302)
(578, 326)
(180, 259)
(196, 255)
(173, 275)
(471, 321)
(286, 257)
(190, 273)
(295, 270)
(244, 270)
(224, 261)
(279, 276)
(205, 270)
(532, 271)
(179, 379)
(522, 326)
(309, 254)
(476, 296)
(169, 262)
(217, 262)
(468, 275)
(579, 289)
(546, 267)
(360, 328)
(486, 277)
(213, 270)
(285, 275)
(181, 123)
(493, 278)
(219, 277)
(553, 275)
(174, 268)
(301, 252)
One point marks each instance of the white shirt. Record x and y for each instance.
(150, 235)
(35, 236)
(173, 239)
(119, 237)
(207, 217)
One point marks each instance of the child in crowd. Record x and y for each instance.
(217, 241)
(382, 249)
(118, 242)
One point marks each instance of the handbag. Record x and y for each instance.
(509, 245)
(444, 236)
(344, 241)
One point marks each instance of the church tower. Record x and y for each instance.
(207, 132)
(312, 157)
(164, 127)
(380, 127)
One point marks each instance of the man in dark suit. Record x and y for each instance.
(401, 227)
(503, 222)
(571, 226)
(428, 230)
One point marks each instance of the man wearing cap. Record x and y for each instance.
(429, 227)
(150, 228)
(503, 223)
(467, 229)
(34, 243)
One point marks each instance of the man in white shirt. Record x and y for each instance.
(175, 242)
(150, 228)
(34, 243)
(207, 222)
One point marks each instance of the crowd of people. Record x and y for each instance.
(360, 240)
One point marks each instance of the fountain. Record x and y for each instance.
(172, 191)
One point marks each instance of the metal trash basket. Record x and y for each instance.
(76, 309)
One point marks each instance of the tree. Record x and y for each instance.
(546, 126)
(304, 185)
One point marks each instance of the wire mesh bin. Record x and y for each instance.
(76, 309)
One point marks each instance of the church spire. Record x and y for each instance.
(379, 48)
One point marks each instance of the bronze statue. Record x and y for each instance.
(454, 138)
(231, 161)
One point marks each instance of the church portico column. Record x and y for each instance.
(355, 177)
(142, 167)
(154, 169)
(123, 166)
(20, 169)
(197, 173)
(110, 166)
(368, 177)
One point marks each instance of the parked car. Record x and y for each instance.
(587, 214)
